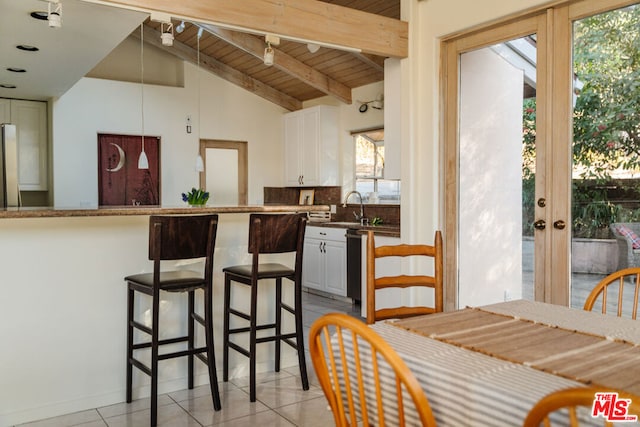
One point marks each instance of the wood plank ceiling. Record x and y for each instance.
(297, 74)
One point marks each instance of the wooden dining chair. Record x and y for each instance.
(402, 281)
(563, 404)
(627, 279)
(352, 361)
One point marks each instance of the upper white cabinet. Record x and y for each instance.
(392, 118)
(30, 118)
(311, 146)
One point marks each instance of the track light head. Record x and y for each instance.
(166, 34)
(268, 55)
(54, 15)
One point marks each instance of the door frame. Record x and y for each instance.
(553, 25)
(243, 160)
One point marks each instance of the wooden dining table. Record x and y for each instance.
(487, 366)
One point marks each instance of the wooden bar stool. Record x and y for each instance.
(175, 238)
(268, 234)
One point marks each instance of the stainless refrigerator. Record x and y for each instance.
(9, 191)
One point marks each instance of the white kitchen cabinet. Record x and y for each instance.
(324, 264)
(30, 118)
(311, 146)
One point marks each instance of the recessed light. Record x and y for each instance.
(40, 14)
(27, 48)
(6, 86)
(16, 70)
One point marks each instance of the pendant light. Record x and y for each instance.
(143, 162)
(199, 161)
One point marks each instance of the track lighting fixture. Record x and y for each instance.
(268, 55)
(166, 30)
(54, 15)
(180, 28)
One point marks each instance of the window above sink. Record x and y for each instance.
(369, 167)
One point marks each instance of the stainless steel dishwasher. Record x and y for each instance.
(354, 257)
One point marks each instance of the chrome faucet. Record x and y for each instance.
(360, 217)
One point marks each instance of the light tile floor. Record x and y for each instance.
(281, 400)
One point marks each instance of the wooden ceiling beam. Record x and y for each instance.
(286, 63)
(375, 62)
(308, 20)
(222, 70)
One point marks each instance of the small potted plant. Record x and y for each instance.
(196, 197)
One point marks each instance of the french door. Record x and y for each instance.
(509, 93)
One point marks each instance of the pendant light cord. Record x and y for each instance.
(199, 123)
(142, 79)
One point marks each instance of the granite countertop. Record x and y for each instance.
(381, 230)
(51, 212)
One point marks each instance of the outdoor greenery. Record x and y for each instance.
(606, 122)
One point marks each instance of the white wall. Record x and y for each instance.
(228, 112)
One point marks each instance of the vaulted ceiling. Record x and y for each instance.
(297, 74)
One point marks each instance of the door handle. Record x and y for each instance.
(540, 224)
(559, 225)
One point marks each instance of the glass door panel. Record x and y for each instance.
(497, 172)
(606, 147)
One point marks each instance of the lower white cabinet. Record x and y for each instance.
(324, 264)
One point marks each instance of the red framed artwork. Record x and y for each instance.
(120, 182)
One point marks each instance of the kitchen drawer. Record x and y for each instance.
(325, 233)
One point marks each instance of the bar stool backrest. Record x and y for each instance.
(180, 236)
(276, 233)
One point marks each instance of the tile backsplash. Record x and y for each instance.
(390, 214)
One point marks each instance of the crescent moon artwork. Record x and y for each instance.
(120, 162)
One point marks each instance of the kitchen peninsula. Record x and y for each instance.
(63, 305)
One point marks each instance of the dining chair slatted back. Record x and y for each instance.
(561, 407)
(403, 281)
(621, 283)
(363, 378)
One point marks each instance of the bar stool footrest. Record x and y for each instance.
(144, 368)
(161, 342)
(239, 349)
(195, 351)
